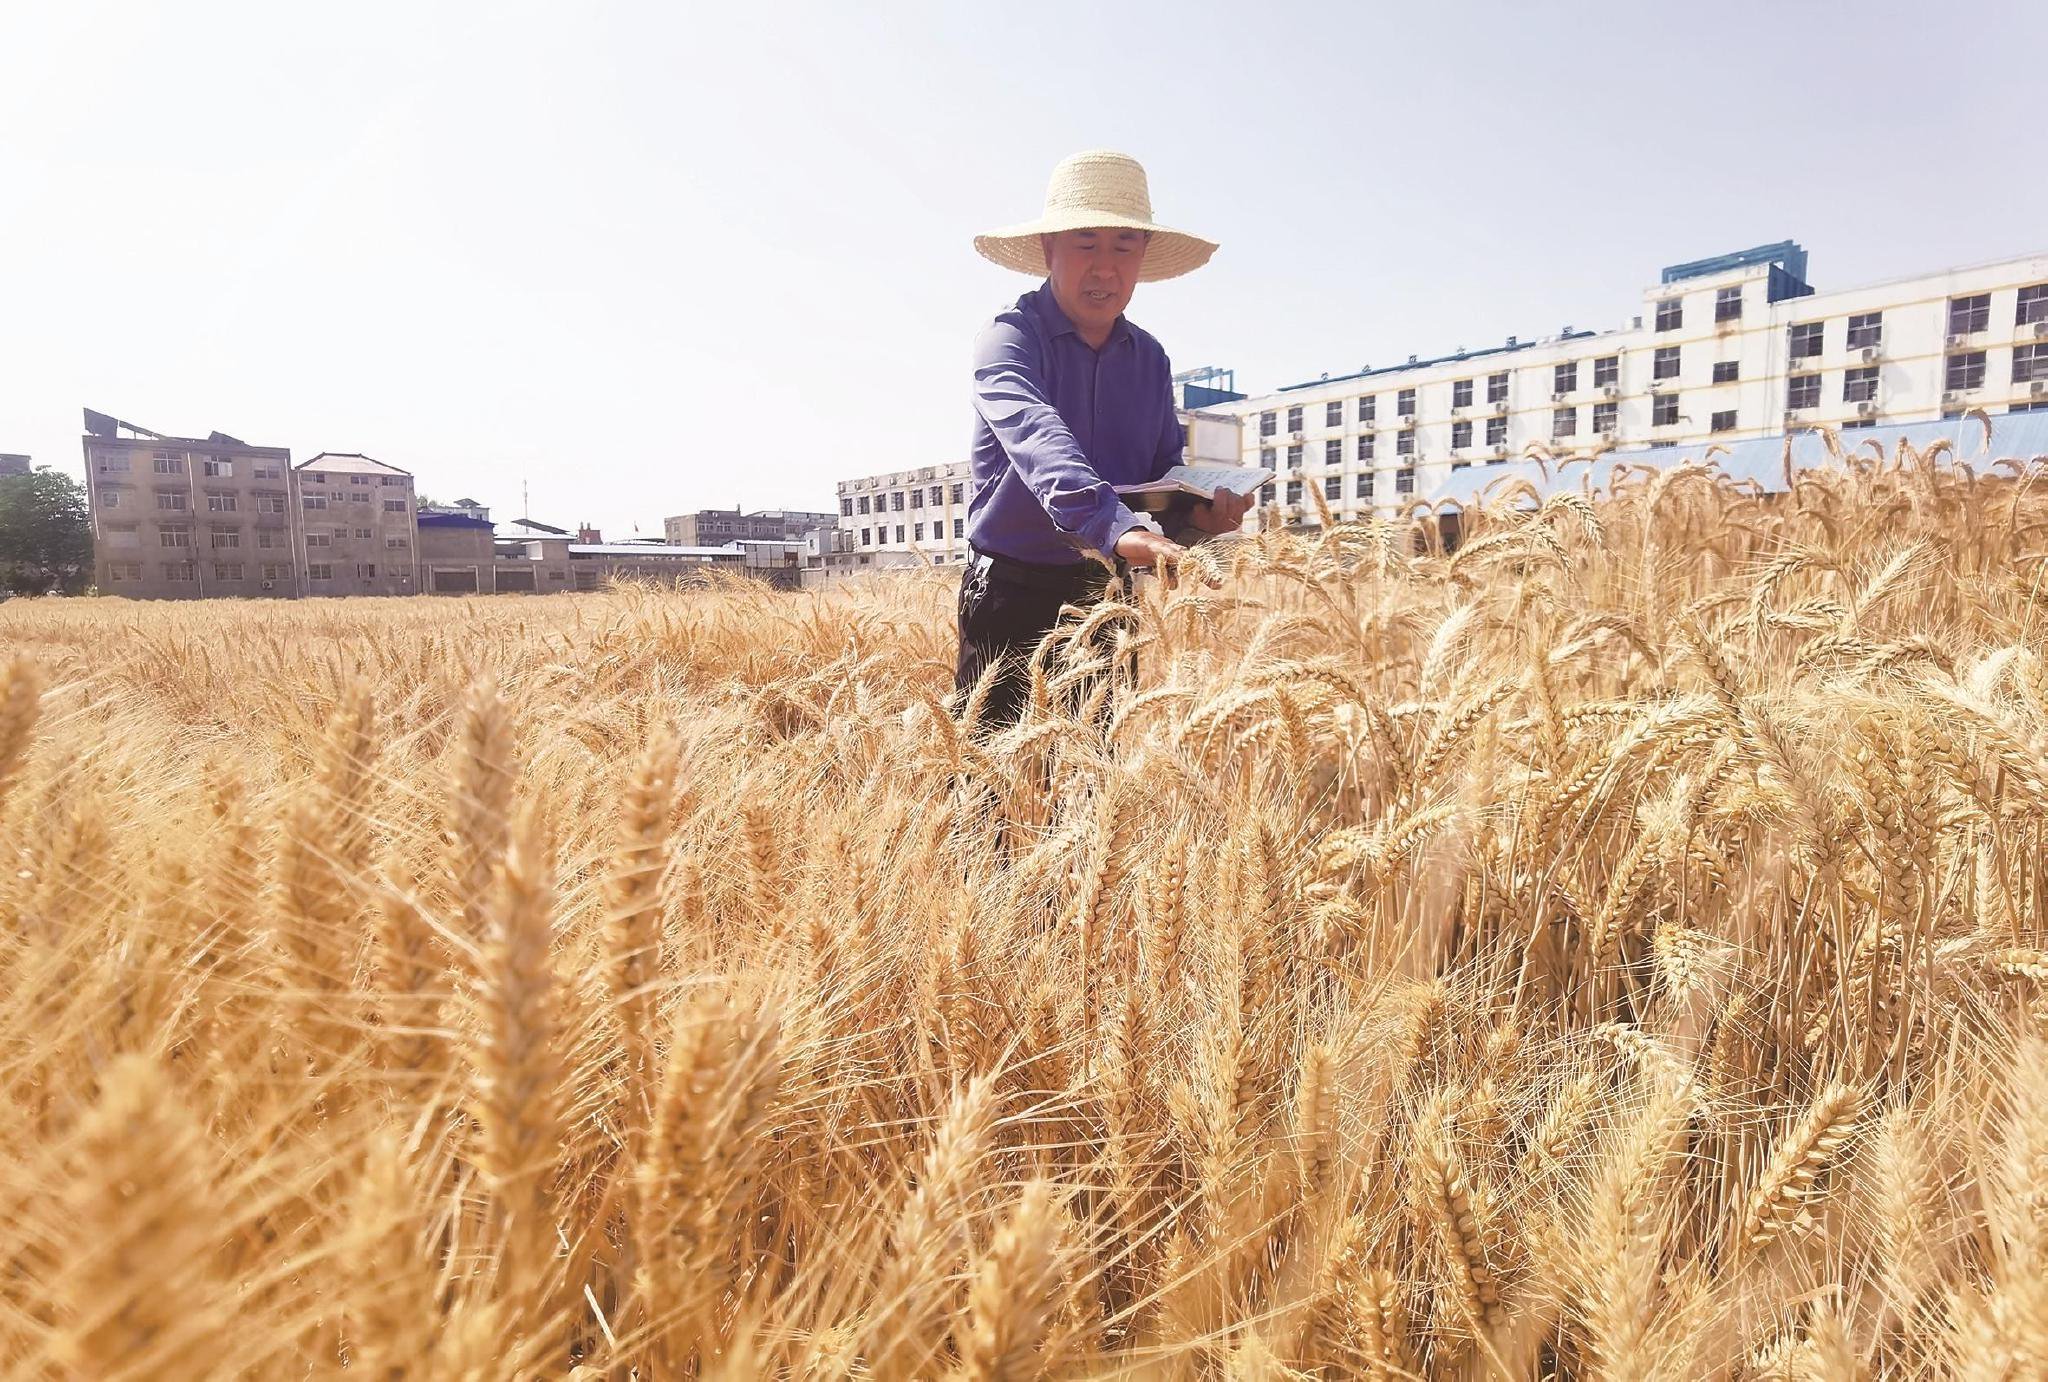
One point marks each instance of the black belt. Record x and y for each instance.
(1067, 578)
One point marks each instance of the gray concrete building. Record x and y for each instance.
(186, 518)
(716, 527)
(356, 526)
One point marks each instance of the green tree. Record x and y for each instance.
(45, 533)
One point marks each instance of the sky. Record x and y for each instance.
(635, 259)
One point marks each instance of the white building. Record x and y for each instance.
(907, 517)
(1726, 349)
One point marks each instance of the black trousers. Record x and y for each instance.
(1006, 610)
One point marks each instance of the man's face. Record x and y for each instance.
(1094, 273)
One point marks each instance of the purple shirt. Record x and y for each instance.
(1057, 423)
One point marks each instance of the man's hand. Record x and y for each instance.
(1143, 547)
(1223, 514)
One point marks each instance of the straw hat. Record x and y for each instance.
(1099, 189)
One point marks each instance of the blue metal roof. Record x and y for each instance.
(2018, 436)
(1785, 253)
(1512, 345)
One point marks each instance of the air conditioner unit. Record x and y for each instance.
(1958, 338)
(1610, 391)
(2038, 389)
(1951, 399)
(1871, 353)
(1294, 436)
(1866, 409)
(270, 585)
(1500, 405)
(2041, 331)
(1407, 419)
(1560, 396)
(1608, 434)
(1500, 453)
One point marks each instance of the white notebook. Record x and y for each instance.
(1203, 481)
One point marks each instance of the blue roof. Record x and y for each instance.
(2018, 436)
(453, 520)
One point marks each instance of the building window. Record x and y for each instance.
(1726, 371)
(1294, 491)
(1266, 492)
(359, 479)
(315, 501)
(1294, 456)
(1461, 393)
(1802, 391)
(1333, 452)
(319, 571)
(396, 544)
(1366, 446)
(1268, 424)
(394, 506)
(1333, 487)
(937, 496)
(1859, 385)
(1670, 314)
(359, 499)
(1497, 387)
(1728, 304)
(860, 505)
(959, 527)
(845, 507)
(367, 571)
(314, 539)
(917, 532)
(317, 479)
(1364, 487)
(896, 501)
(1294, 418)
(1265, 458)
(110, 499)
(1665, 363)
(1404, 403)
(168, 500)
(124, 570)
(1663, 410)
(1564, 422)
(123, 535)
(2032, 306)
(867, 537)
(226, 537)
(1606, 370)
(1970, 314)
(276, 571)
(179, 570)
(917, 499)
(1965, 371)
(111, 465)
(1496, 431)
(390, 480)
(1404, 442)
(1604, 415)
(1461, 435)
(899, 532)
(1866, 329)
(1404, 480)
(1333, 413)
(1806, 339)
(227, 571)
(1368, 408)
(958, 490)
(174, 537)
(220, 503)
(1564, 378)
(2029, 363)
(1723, 421)
(164, 463)
(267, 472)
(217, 469)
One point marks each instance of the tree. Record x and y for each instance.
(45, 533)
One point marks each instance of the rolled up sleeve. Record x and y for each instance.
(1010, 395)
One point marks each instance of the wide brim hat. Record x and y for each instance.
(1097, 190)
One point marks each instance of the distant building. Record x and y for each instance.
(13, 464)
(1734, 348)
(715, 527)
(186, 518)
(357, 526)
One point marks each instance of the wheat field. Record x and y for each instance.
(1614, 949)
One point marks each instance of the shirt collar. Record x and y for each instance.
(1048, 308)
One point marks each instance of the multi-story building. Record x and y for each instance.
(357, 528)
(908, 517)
(716, 527)
(13, 463)
(185, 518)
(1726, 349)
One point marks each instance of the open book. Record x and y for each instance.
(1201, 481)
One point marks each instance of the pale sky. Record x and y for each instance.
(656, 257)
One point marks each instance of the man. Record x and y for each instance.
(1070, 400)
